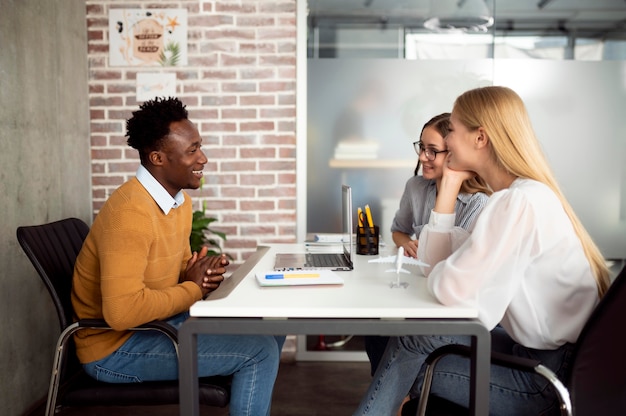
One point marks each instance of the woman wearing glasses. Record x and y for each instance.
(418, 200)
(529, 266)
(419, 194)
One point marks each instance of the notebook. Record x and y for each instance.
(325, 261)
(297, 278)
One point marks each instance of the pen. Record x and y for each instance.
(360, 216)
(368, 213)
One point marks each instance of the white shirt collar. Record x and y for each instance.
(163, 199)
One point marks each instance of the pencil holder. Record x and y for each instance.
(367, 240)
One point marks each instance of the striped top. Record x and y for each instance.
(418, 200)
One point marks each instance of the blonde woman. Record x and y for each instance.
(528, 265)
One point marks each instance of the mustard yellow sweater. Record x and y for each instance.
(129, 268)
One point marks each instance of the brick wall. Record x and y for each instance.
(240, 89)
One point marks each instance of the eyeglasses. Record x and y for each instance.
(430, 153)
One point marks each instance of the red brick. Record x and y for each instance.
(239, 113)
(221, 100)
(99, 154)
(277, 7)
(238, 218)
(237, 166)
(235, 7)
(257, 205)
(203, 114)
(258, 230)
(283, 139)
(234, 60)
(219, 153)
(258, 73)
(258, 153)
(213, 127)
(239, 139)
(287, 153)
(256, 21)
(258, 179)
(256, 47)
(258, 100)
(257, 126)
(218, 205)
(278, 192)
(277, 112)
(277, 218)
(238, 192)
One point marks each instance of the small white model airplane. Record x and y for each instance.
(399, 260)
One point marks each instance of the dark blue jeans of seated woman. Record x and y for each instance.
(511, 393)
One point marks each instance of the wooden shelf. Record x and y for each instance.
(371, 163)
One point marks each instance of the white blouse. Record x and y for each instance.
(523, 265)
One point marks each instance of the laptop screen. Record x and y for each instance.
(346, 220)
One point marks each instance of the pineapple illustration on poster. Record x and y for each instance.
(148, 37)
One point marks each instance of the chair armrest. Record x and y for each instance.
(497, 358)
(528, 365)
(161, 326)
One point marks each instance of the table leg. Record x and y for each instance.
(189, 401)
(479, 374)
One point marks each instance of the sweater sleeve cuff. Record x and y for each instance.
(193, 289)
(440, 221)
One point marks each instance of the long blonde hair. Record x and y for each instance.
(502, 113)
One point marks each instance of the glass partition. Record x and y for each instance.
(372, 85)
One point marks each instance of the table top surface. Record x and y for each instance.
(366, 293)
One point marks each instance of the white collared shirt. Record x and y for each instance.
(163, 199)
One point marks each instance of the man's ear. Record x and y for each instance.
(155, 157)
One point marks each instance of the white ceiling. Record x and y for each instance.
(608, 15)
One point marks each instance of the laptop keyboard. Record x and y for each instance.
(324, 259)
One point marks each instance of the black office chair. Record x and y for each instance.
(52, 249)
(596, 384)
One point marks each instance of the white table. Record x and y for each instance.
(364, 305)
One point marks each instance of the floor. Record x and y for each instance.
(302, 388)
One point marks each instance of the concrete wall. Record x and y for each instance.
(44, 174)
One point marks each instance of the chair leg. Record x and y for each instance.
(426, 385)
(57, 365)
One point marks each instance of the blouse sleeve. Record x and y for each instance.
(438, 239)
(489, 264)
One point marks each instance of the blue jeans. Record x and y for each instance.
(375, 346)
(511, 393)
(149, 355)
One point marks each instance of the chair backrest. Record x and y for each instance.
(52, 248)
(597, 381)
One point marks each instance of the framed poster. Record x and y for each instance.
(147, 37)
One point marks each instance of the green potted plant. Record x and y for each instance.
(201, 231)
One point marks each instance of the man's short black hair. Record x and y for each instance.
(151, 123)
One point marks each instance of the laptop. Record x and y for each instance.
(325, 261)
